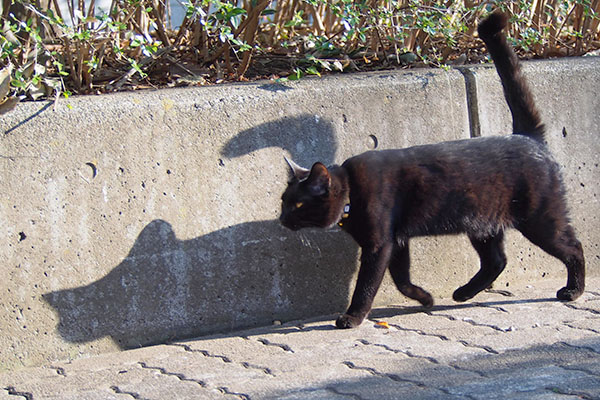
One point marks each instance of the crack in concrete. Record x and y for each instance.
(471, 322)
(478, 346)
(579, 369)
(338, 392)
(580, 347)
(374, 372)
(445, 338)
(179, 376)
(420, 332)
(118, 390)
(412, 355)
(205, 353)
(266, 370)
(458, 368)
(580, 328)
(14, 392)
(224, 390)
(501, 292)
(497, 308)
(397, 378)
(557, 390)
(315, 391)
(396, 351)
(225, 359)
(283, 347)
(586, 309)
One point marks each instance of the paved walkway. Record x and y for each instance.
(518, 345)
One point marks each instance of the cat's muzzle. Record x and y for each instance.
(288, 224)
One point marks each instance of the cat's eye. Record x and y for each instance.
(299, 204)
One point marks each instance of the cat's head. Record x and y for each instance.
(312, 198)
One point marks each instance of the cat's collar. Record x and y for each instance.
(345, 214)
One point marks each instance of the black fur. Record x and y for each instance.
(479, 186)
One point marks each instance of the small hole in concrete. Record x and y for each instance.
(93, 168)
(372, 142)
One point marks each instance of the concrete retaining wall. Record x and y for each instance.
(135, 218)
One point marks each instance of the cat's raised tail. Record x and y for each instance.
(526, 118)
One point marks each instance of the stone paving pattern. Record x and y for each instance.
(521, 344)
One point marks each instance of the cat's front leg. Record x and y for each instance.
(372, 268)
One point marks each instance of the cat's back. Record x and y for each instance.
(443, 186)
(476, 155)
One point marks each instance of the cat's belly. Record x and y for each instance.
(480, 227)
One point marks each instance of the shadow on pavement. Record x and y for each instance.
(553, 371)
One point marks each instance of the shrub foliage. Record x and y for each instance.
(45, 53)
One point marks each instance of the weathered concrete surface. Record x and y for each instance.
(134, 218)
(527, 346)
(137, 218)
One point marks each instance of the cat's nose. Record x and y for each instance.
(283, 220)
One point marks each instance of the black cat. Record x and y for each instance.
(479, 186)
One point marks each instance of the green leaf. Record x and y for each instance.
(17, 83)
(242, 46)
(296, 20)
(296, 75)
(235, 12)
(313, 71)
(134, 64)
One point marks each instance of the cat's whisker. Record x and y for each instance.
(306, 242)
(302, 238)
(313, 245)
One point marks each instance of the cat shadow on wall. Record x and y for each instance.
(308, 138)
(243, 275)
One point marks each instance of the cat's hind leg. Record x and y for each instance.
(556, 237)
(493, 261)
(399, 269)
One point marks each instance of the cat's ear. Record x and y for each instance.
(319, 180)
(297, 171)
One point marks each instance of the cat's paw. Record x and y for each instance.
(426, 300)
(346, 321)
(566, 294)
(461, 294)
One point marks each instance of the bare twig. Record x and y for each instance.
(250, 34)
(116, 84)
